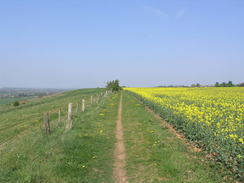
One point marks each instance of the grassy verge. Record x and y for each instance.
(83, 154)
(154, 154)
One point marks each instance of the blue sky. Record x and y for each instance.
(76, 44)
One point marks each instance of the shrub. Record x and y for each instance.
(113, 85)
(16, 103)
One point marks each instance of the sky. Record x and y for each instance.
(143, 43)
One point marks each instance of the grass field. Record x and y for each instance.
(74, 156)
(86, 152)
(16, 121)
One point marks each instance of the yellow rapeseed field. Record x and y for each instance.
(211, 116)
(220, 108)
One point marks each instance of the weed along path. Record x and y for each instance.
(119, 172)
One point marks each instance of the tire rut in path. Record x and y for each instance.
(119, 172)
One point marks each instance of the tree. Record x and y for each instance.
(195, 85)
(113, 85)
(198, 85)
(230, 84)
(16, 103)
(223, 84)
(217, 84)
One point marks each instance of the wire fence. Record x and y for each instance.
(65, 115)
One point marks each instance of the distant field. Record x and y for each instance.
(211, 117)
(10, 95)
(12, 100)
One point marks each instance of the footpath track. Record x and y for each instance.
(119, 172)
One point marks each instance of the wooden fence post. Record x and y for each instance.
(83, 105)
(77, 106)
(59, 115)
(69, 120)
(46, 120)
(91, 100)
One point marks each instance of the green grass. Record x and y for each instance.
(154, 154)
(83, 154)
(16, 121)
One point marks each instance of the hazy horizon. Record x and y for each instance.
(58, 88)
(83, 44)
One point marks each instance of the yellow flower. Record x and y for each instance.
(241, 140)
(233, 136)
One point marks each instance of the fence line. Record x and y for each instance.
(69, 122)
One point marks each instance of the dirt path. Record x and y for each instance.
(119, 172)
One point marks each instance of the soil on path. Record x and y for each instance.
(119, 172)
